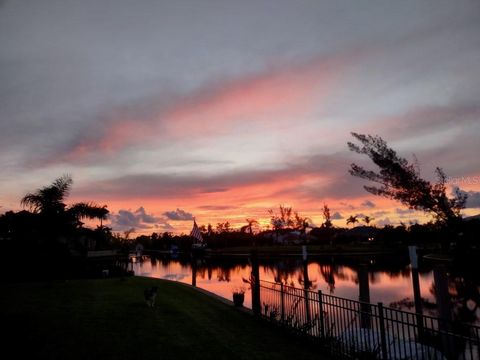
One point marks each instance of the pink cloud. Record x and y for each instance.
(269, 97)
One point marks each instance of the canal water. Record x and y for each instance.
(389, 278)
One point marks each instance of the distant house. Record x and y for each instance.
(286, 237)
(139, 250)
(362, 233)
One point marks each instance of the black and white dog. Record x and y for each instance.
(150, 294)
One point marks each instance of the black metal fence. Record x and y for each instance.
(357, 330)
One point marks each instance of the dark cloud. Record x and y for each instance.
(337, 216)
(217, 207)
(339, 184)
(164, 227)
(425, 120)
(368, 203)
(350, 206)
(178, 215)
(401, 211)
(446, 152)
(473, 199)
(138, 219)
(384, 221)
(437, 122)
(53, 80)
(144, 217)
(87, 87)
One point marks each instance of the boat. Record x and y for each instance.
(173, 251)
(198, 249)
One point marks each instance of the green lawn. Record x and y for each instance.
(108, 319)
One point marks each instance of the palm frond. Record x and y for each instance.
(32, 201)
(49, 198)
(85, 210)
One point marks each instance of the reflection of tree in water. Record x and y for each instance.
(281, 272)
(289, 272)
(429, 308)
(464, 278)
(223, 274)
(164, 261)
(464, 288)
(341, 275)
(373, 277)
(464, 291)
(201, 271)
(283, 277)
(328, 273)
(466, 299)
(310, 284)
(305, 281)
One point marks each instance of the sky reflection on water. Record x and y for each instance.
(338, 280)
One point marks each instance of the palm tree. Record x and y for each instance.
(57, 235)
(49, 202)
(367, 219)
(83, 210)
(352, 220)
(251, 224)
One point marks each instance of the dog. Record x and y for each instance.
(150, 294)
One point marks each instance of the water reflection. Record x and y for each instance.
(388, 279)
(328, 271)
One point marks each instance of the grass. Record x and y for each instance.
(108, 319)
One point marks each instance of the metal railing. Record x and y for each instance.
(357, 330)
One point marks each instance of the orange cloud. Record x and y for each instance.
(251, 198)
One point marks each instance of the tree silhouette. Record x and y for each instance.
(328, 218)
(251, 224)
(287, 219)
(49, 199)
(401, 181)
(249, 228)
(301, 223)
(367, 219)
(57, 235)
(281, 220)
(352, 219)
(49, 202)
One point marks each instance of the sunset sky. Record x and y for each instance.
(164, 110)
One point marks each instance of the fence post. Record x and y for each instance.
(306, 286)
(418, 302)
(282, 304)
(255, 277)
(320, 306)
(440, 278)
(364, 297)
(383, 338)
(416, 290)
(194, 271)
